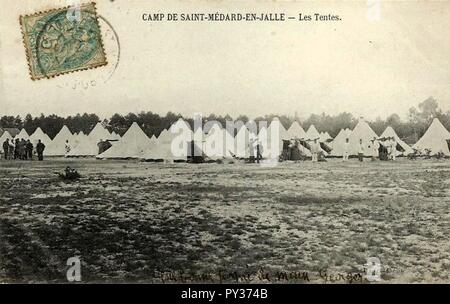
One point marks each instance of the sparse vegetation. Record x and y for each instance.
(131, 221)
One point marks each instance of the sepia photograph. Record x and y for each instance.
(224, 142)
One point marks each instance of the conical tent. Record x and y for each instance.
(37, 135)
(57, 147)
(133, 144)
(88, 145)
(325, 143)
(276, 133)
(242, 141)
(264, 140)
(153, 139)
(218, 143)
(363, 132)
(283, 132)
(312, 133)
(389, 132)
(23, 135)
(5, 135)
(77, 139)
(436, 139)
(180, 125)
(271, 139)
(99, 133)
(172, 144)
(339, 142)
(182, 136)
(296, 131)
(116, 136)
(197, 146)
(162, 147)
(325, 137)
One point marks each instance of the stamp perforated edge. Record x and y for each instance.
(29, 56)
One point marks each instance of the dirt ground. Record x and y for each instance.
(131, 221)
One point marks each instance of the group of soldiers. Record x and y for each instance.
(21, 149)
(387, 153)
(377, 148)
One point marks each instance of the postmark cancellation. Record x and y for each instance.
(61, 41)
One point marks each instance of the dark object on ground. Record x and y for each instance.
(383, 152)
(69, 174)
(440, 155)
(195, 153)
(103, 146)
(414, 155)
(427, 154)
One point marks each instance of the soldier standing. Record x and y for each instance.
(6, 148)
(40, 147)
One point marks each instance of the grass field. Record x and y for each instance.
(297, 222)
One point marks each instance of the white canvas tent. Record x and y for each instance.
(242, 141)
(161, 148)
(197, 147)
(363, 132)
(275, 132)
(77, 138)
(271, 139)
(38, 134)
(263, 138)
(390, 132)
(57, 147)
(116, 136)
(435, 139)
(312, 133)
(88, 145)
(5, 135)
(99, 133)
(218, 143)
(171, 144)
(283, 132)
(325, 137)
(296, 131)
(133, 144)
(23, 135)
(339, 142)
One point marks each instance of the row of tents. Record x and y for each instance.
(79, 143)
(179, 142)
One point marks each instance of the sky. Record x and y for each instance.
(364, 65)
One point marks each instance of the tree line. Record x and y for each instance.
(410, 130)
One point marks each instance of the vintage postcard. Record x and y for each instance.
(208, 142)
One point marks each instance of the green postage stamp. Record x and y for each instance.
(62, 41)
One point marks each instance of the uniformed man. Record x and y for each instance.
(17, 149)
(29, 150)
(315, 147)
(6, 148)
(259, 152)
(40, 147)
